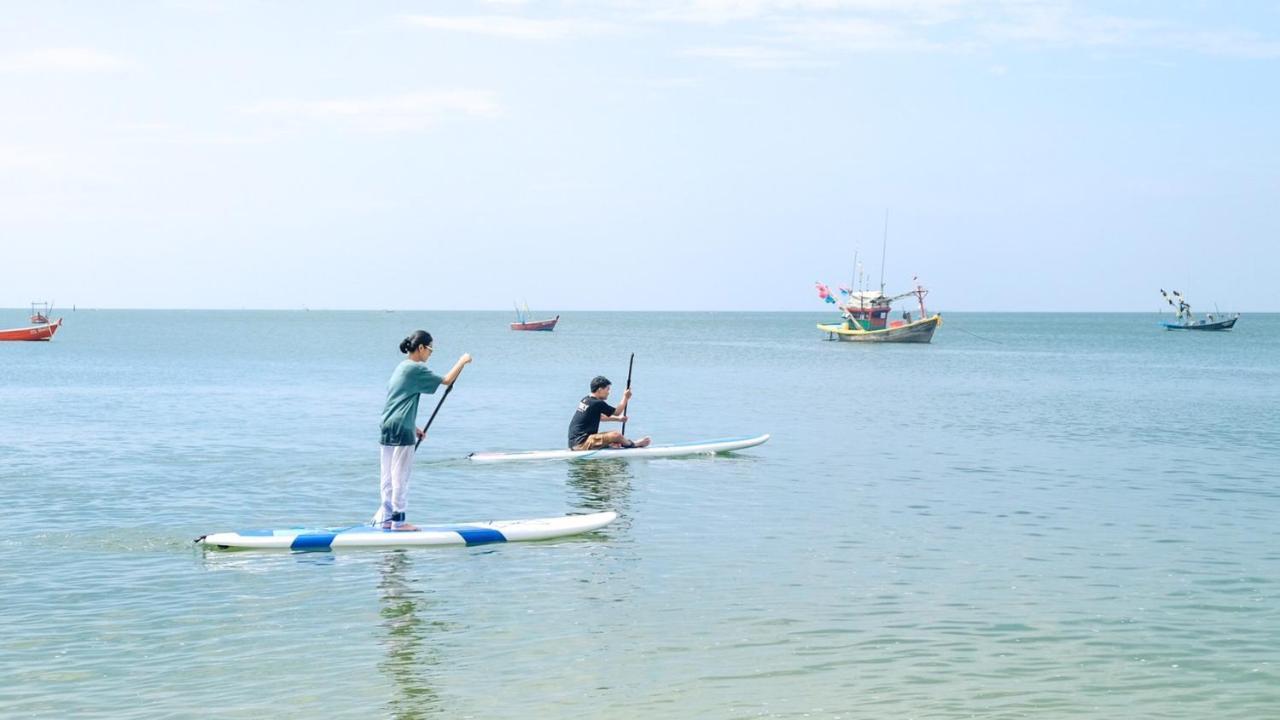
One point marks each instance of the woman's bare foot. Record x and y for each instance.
(643, 442)
(406, 527)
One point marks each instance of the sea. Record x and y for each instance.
(1035, 516)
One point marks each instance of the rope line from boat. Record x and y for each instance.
(966, 332)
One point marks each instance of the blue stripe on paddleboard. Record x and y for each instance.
(318, 541)
(480, 536)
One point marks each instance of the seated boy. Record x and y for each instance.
(584, 428)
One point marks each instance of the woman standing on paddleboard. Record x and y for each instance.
(400, 432)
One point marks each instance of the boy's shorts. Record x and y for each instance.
(594, 442)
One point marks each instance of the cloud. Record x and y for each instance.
(1050, 25)
(727, 11)
(782, 32)
(859, 35)
(758, 57)
(1235, 44)
(835, 26)
(514, 27)
(63, 60)
(397, 113)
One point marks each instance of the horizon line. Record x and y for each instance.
(484, 310)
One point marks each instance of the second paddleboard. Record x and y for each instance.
(702, 447)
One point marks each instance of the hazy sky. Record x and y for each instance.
(714, 154)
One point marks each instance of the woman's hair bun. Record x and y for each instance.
(415, 341)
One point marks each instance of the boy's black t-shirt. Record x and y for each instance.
(586, 421)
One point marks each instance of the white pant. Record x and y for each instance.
(397, 465)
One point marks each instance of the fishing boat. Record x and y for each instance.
(1185, 320)
(865, 317)
(865, 313)
(41, 328)
(524, 323)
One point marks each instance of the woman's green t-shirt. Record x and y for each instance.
(409, 380)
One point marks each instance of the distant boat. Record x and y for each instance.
(866, 318)
(1185, 320)
(41, 328)
(537, 325)
(524, 323)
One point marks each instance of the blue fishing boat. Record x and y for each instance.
(1185, 320)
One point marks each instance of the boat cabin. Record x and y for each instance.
(866, 310)
(40, 313)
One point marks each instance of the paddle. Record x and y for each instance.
(448, 389)
(629, 366)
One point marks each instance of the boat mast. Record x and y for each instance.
(920, 293)
(883, 248)
(853, 283)
(853, 276)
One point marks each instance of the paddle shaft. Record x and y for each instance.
(448, 389)
(630, 365)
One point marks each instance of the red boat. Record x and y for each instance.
(524, 323)
(43, 331)
(546, 325)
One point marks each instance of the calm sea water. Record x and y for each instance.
(1070, 516)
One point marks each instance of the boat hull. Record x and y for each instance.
(35, 332)
(1211, 326)
(920, 331)
(477, 533)
(537, 325)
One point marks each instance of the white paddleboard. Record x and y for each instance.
(476, 533)
(704, 447)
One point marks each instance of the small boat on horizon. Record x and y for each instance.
(524, 323)
(1185, 320)
(41, 328)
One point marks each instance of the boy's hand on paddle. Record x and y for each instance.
(626, 394)
(421, 434)
(465, 359)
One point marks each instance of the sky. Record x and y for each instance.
(1037, 155)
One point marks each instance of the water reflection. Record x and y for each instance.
(405, 616)
(601, 484)
(259, 562)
